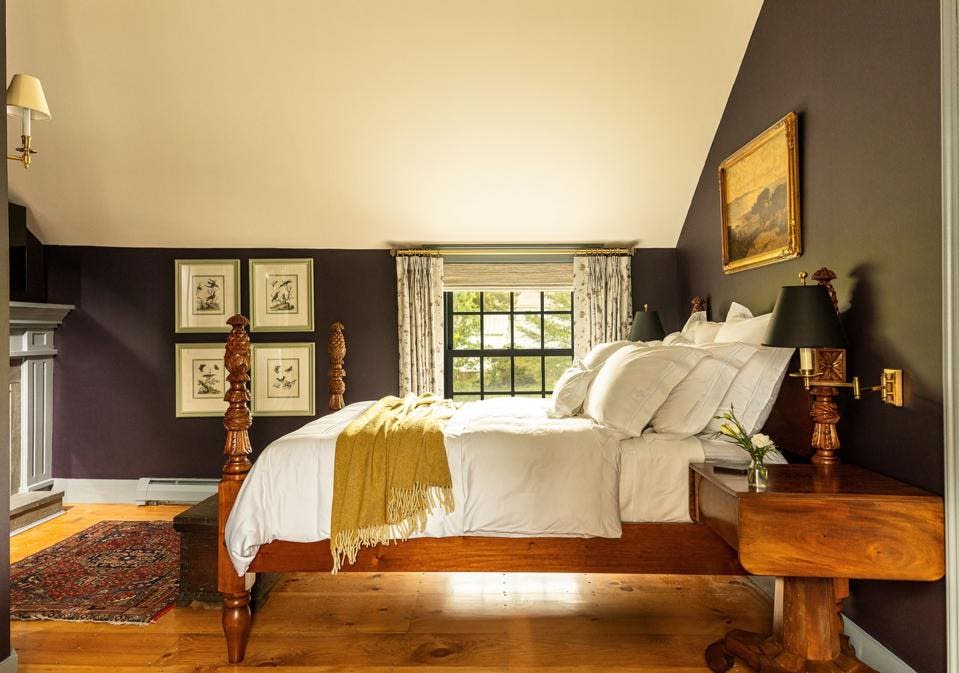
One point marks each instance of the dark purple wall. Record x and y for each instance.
(114, 406)
(655, 273)
(863, 76)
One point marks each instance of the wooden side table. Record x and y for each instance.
(814, 528)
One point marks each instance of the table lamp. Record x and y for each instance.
(647, 326)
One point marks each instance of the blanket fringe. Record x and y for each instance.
(407, 510)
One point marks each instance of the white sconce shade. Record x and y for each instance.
(25, 99)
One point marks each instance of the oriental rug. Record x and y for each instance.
(125, 572)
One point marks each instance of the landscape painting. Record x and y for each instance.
(760, 200)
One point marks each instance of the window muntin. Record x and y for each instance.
(501, 343)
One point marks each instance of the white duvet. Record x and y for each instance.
(516, 472)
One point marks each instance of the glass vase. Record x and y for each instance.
(756, 475)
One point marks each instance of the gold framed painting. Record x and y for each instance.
(282, 379)
(200, 380)
(207, 293)
(759, 190)
(281, 295)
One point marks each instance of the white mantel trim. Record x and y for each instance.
(28, 314)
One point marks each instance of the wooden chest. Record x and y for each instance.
(197, 527)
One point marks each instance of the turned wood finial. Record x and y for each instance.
(825, 277)
(237, 419)
(831, 362)
(698, 304)
(337, 351)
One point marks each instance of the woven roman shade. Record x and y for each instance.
(505, 275)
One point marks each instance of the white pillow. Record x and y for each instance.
(699, 330)
(692, 404)
(749, 331)
(569, 393)
(635, 382)
(676, 339)
(754, 390)
(600, 353)
(738, 312)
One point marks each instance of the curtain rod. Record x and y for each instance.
(451, 252)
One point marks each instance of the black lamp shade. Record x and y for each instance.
(647, 327)
(804, 317)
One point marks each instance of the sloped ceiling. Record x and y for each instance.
(357, 124)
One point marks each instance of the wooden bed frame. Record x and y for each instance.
(644, 548)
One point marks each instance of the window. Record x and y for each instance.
(507, 343)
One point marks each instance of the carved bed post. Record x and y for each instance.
(697, 304)
(337, 351)
(237, 421)
(824, 411)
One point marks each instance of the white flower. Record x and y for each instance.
(761, 441)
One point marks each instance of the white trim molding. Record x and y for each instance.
(949, 73)
(11, 664)
(113, 491)
(871, 652)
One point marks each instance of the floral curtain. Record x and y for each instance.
(419, 293)
(602, 300)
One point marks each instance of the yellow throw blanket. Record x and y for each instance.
(390, 473)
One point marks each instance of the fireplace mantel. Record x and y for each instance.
(32, 326)
(32, 352)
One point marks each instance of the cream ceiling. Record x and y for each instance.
(356, 124)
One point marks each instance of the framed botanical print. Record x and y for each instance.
(282, 379)
(759, 191)
(207, 293)
(200, 380)
(281, 295)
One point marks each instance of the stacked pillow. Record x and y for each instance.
(693, 403)
(679, 386)
(634, 383)
(569, 392)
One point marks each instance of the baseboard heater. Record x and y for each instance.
(163, 491)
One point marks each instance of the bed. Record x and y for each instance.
(516, 511)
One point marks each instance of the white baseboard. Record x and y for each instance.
(873, 653)
(869, 650)
(11, 663)
(116, 491)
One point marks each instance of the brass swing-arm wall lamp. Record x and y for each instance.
(805, 317)
(25, 100)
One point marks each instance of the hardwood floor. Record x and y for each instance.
(408, 623)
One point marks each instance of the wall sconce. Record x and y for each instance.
(806, 318)
(25, 100)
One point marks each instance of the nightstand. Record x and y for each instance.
(814, 528)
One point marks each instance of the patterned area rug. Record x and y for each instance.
(126, 572)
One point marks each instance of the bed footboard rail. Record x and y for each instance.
(237, 421)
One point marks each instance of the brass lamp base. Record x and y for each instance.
(25, 152)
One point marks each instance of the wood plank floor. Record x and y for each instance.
(410, 622)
